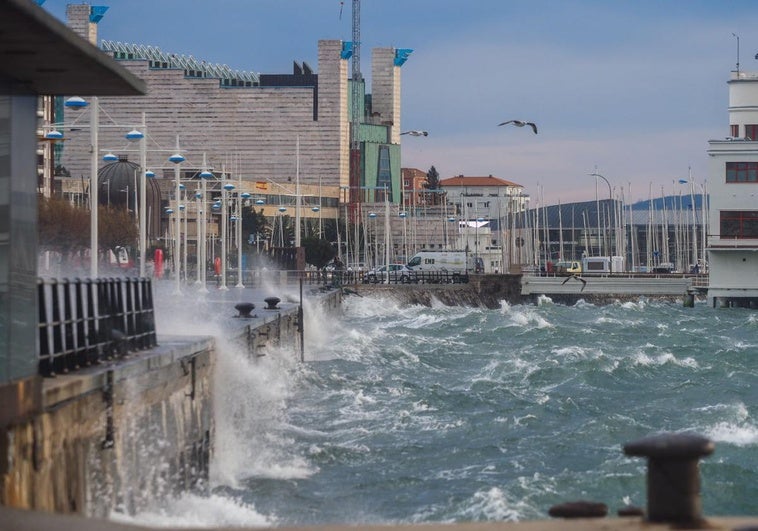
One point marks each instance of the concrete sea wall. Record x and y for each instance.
(119, 434)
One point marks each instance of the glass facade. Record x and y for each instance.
(384, 175)
(18, 236)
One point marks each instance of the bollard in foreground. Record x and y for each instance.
(272, 303)
(245, 309)
(673, 476)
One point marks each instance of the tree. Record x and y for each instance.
(432, 179)
(62, 228)
(116, 227)
(318, 252)
(432, 185)
(253, 222)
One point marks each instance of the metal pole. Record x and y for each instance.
(239, 233)
(93, 191)
(224, 232)
(143, 198)
(177, 227)
(297, 192)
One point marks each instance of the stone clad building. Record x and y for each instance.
(270, 129)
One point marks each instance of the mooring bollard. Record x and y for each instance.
(244, 309)
(579, 509)
(673, 475)
(272, 303)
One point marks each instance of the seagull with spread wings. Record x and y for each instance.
(521, 123)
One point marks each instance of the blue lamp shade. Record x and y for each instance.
(372, 215)
(181, 207)
(451, 219)
(198, 195)
(149, 174)
(75, 102)
(245, 195)
(683, 181)
(169, 211)
(134, 135)
(205, 174)
(479, 219)
(216, 206)
(176, 158)
(54, 135)
(110, 157)
(233, 218)
(282, 209)
(403, 214)
(228, 187)
(260, 202)
(315, 209)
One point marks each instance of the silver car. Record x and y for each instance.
(398, 273)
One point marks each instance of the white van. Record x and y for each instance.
(459, 262)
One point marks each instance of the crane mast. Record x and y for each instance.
(355, 106)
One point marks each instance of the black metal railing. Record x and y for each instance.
(84, 322)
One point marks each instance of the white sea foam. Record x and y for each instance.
(544, 299)
(744, 434)
(525, 317)
(493, 505)
(190, 510)
(645, 360)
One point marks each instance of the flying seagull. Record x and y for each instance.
(415, 133)
(519, 123)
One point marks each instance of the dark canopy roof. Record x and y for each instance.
(42, 56)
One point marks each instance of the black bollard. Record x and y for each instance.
(579, 509)
(272, 303)
(673, 475)
(244, 309)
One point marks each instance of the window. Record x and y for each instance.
(383, 175)
(739, 224)
(734, 130)
(751, 131)
(742, 172)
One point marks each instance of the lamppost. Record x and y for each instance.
(240, 198)
(597, 201)
(202, 202)
(75, 103)
(176, 159)
(372, 216)
(227, 187)
(402, 216)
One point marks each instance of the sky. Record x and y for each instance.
(630, 89)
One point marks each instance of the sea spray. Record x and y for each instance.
(445, 414)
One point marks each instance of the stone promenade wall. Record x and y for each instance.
(117, 435)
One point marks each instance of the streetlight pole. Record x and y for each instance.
(227, 187)
(177, 159)
(143, 198)
(610, 197)
(94, 251)
(297, 193)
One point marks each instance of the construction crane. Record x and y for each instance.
(355, 106)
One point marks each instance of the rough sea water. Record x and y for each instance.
(450, 414)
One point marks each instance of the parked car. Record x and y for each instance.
(397, 273)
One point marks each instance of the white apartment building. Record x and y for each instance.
(490, 198)
(733, 187)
